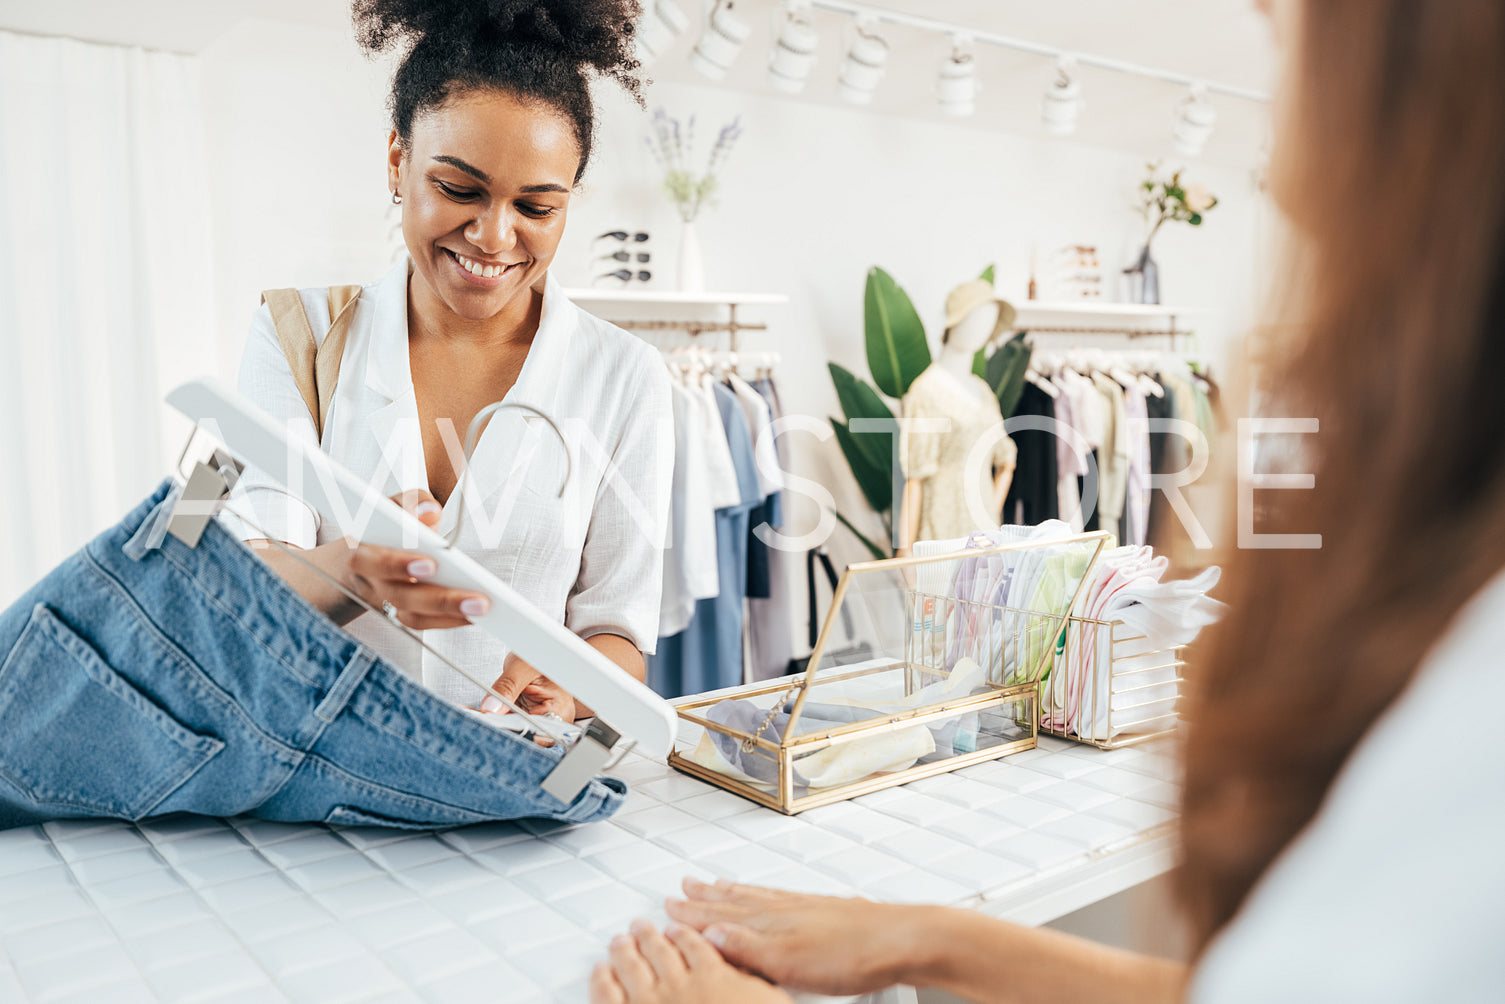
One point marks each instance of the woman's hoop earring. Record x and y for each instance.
(396, 199)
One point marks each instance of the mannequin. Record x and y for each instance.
(934, 504)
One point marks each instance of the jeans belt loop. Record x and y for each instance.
(350, 677)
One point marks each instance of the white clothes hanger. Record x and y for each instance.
(625, 705)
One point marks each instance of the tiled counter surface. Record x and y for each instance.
(194, 909)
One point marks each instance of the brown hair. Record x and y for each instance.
(1391, 167)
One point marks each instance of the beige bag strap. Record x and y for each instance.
(315, 369)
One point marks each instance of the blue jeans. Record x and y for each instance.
(142, 681)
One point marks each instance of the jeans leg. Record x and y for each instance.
(215, 688)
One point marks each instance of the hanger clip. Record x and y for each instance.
(584, 761)
(202, 496)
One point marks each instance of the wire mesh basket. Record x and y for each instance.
(1108, 686)
(923, 665)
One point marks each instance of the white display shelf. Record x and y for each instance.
(1098, 311)
(653, 298)
(1086, 317)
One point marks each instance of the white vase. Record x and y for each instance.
(691, 271)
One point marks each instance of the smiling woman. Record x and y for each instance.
(492, 130)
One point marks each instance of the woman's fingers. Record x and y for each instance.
(604, 988)
(700, 915)
(698, 953)
(633, 971)
(421, 504)
(723, 891)
(418, 600)
(385, 575)
(516, 675)
(662, 955)
(737, 945)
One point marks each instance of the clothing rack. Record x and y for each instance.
(1131, 320)
(696, 328)
(644, 310)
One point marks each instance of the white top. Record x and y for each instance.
(691, 569)
(1396, 890)
(592, 559)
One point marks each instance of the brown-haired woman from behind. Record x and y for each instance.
(1344, 806)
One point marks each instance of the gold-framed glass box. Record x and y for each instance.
(923, 665)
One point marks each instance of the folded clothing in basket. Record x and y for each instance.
(1099, 687)
(882, 752)
(139, 680)
(1009, 604)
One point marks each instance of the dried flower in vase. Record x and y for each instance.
(673, 148)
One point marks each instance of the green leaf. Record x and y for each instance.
(896, 348)
(980, 363)
(873, 549)
(859, 400)
(876, 482)
(1195, 219)
(1006, 371)
(988, 273)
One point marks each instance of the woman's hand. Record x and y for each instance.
(819, 944)
(379, 576)
(384, 575)
(647, 967)
(533, 692)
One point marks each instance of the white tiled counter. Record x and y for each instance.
(195, 909)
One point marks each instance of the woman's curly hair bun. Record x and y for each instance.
(538, 50)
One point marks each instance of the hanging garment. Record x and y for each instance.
(1158, 408)
(690, 568)
(770, 624)
(1033, 493)
(141, 680)
(726, 483)
(759, 418)
(1071, 462)
(943, 461)
(1137, 489)
(770, 480)
(1113, 458)
(707, 654)
(1090, 414)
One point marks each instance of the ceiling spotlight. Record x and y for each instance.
(662, 23)
(1195, 118)
(957, 86)
(793, 53)
(720, 42)
(862, 67)
(1063, 100)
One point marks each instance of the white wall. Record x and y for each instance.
(813, 196)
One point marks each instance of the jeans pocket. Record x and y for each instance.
(76, 735)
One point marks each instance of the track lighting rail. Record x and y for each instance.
(877, 14)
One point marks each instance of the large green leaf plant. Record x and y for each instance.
(897, 353)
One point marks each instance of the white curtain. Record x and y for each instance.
(105, 286)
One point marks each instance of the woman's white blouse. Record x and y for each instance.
(592, 560)
(1395, 892)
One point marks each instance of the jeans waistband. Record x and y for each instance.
(305, 641)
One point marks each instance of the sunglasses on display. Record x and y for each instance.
(623, 235)
(625, 275)
(642, 256)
